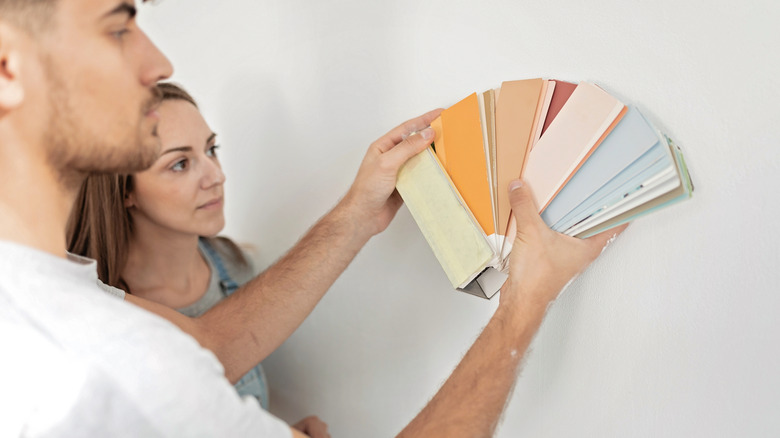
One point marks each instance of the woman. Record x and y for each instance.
(153, 233)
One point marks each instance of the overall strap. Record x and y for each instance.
(226, 283)
(253, 383)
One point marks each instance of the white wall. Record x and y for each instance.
(673, 332)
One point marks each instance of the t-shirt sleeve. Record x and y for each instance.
(149, 382)
(84, 400)
(197, 381)
(112, 369)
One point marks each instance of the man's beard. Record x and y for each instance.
(74, 148)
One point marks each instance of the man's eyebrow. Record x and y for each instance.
(123, 8)
(178, 149)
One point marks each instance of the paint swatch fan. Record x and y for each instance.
(592, 162)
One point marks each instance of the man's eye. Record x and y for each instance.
(179, 166)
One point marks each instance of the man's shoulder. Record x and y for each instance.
(50, 391)
(61, 301)
(91, 362)
(147, 383)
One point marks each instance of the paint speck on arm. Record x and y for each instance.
(609, 242)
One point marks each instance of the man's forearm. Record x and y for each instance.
(470, 402)
(245, 328)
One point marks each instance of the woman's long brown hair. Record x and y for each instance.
(100, 227)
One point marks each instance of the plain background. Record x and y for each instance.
(674, 331)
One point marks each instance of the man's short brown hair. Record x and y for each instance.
(30, 15)
(33, 16)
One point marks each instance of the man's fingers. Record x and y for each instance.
(313, 427)
(412, 125)
(523, 204)
(408, 148)
(397, 134)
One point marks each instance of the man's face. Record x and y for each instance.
(99, 69)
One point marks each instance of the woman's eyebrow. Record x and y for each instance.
(178, 149)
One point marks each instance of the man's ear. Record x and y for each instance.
(11, 89)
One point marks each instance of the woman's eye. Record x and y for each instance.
(179, 166)
(212, 151)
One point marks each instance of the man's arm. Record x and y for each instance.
(244, 328)
(470, 402)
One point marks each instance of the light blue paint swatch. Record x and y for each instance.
(628, 141)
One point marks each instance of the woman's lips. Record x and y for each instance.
(212, 204)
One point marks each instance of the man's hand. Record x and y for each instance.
(543, 261)
(372, 199)
(541, 264)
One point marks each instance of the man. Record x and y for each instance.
(75, 98)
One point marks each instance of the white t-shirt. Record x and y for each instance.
(77, 361)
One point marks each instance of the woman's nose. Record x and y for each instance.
(213, 174)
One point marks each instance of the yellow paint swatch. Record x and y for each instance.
(450, 229)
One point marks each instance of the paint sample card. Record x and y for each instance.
(452, 232)
(462, 153)
(561, 93)
(515, 116)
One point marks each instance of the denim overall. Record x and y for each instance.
(253, 383)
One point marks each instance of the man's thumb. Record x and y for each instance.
(409, 147)
(523, 204)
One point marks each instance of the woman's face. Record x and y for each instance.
(183, 190)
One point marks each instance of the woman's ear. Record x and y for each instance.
(129, 200)
(11, 89)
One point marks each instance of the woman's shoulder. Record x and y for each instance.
(236, 259)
